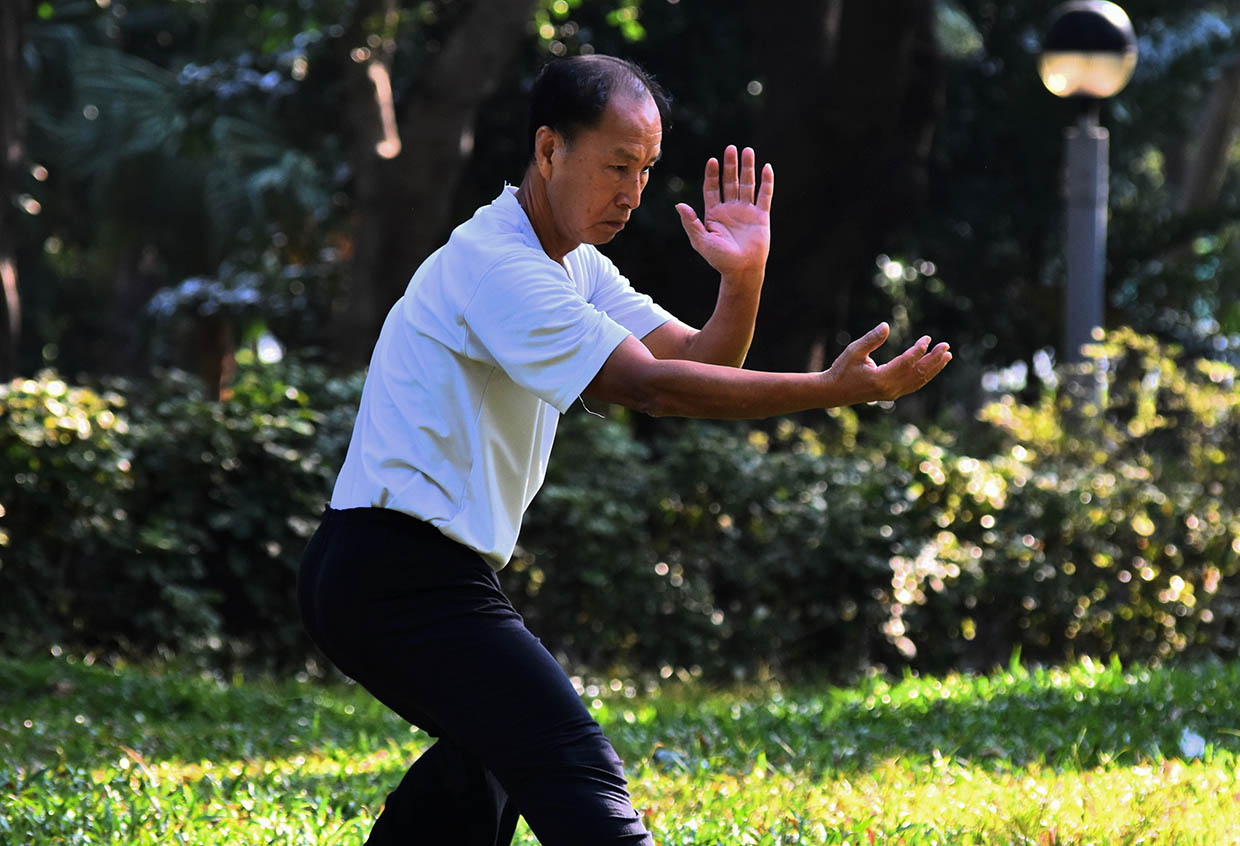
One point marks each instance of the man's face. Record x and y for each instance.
(596, 181)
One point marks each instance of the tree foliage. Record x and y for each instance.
(192, 178)
(179, 137)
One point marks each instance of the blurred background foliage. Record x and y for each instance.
(1060, 525)
(209, 205)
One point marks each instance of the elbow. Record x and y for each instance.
(649, 399)
(635, 379)
(652, 395)
(638, 390)
(657, 410)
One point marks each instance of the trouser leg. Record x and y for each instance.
(447, 796)
(503, 697)
(423, 625)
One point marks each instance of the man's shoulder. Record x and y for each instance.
(593, 266)
(497, 233)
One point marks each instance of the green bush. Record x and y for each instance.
(756, 550)
(1084, 530)
(230, 491)
(1108, 521)
(1074, 523)
(67, 475)
(174, 522)
(777, 531)
(583, 573)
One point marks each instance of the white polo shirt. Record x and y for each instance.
(492, 340)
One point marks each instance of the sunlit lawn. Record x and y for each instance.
(1086, 755)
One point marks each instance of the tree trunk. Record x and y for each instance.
(852, 91)
(370, 116)
(12, 160)
(1208, 167)
(138, 275)
(404, 201)
(217, 353)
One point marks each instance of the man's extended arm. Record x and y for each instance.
(676, 370)
(634, 378)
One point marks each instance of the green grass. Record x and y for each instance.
(1088, 754)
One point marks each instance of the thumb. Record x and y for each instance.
(692, 226)
(871, 340)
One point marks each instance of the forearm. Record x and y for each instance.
(726, 336)
(693, 389)
(680, 388)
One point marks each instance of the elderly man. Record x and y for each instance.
(499, 332)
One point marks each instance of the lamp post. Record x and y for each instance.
(1088, 54)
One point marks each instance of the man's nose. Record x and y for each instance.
(630, 196)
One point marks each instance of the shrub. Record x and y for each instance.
(777, 531)
(174, 522)
(228, 494)
(1075, 523)
(583, 573)
(717, 548)
(1083, 529)
(1108, 521)
(67, 477)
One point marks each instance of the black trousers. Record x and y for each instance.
(421, 622)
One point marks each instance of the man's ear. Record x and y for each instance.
(546, 140)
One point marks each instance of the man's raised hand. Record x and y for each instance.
(860, 379)
(734, 232)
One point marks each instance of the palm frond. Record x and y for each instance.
(245, 143)
(126, 106)
(228, 203)
(103, 72)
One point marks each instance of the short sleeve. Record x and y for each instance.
(612, 294)
(530, 319)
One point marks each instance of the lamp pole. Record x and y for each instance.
(1088, 54)
(1086, 191)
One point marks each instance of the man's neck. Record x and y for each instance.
(532, 195)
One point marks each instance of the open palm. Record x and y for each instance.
(734, 232)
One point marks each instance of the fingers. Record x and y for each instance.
(933, 362)
(767, 191)
(747, 175)
(913, 354)
(919, 365)
(737, 180)
(921, 355)
(731, 186)
(710, 184)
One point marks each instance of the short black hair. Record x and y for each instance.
(571, 94)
